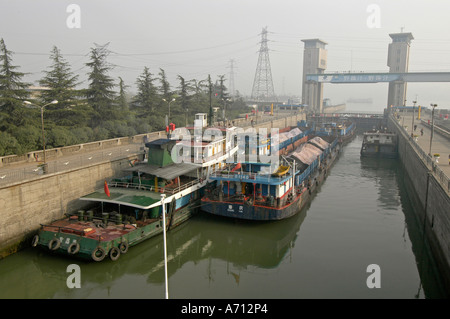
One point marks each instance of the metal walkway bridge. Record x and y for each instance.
(379, 77)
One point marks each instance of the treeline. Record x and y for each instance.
(103, 110)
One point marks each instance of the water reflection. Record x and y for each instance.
(241, 244)
(383, 173)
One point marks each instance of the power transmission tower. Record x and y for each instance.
(263, 85)
(102, 49)
(232, 89)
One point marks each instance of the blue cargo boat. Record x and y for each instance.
(259, 191)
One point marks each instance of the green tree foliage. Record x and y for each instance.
(12, 90)
(144, 102)
(165, 85)
(100, 94)
(9, 144)
(61, 83)
(122, 101)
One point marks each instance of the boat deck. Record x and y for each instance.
(90, 229)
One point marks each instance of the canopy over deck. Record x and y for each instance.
(126, 197)
(167, 172)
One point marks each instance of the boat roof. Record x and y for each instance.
(127, 197)
(166, 172)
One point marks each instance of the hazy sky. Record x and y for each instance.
(194, 38)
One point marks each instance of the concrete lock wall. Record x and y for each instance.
(433, 197)
(25, 205)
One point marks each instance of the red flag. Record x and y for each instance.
(107, 190)
(238, 166)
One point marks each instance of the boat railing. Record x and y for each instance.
(249, 176)
(182, 186)
(157, 189)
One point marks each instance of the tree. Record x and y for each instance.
(145, 100)
(185, 98)
(221, 89)
(122, 99)
(185, 88)
(12, 89)
(60, 84)
(60, 81)
(222, 95)
(100, 94)
(165, 86)
(8, 144)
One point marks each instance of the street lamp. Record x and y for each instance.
(44, 169)
(432, 126)
(169, 106)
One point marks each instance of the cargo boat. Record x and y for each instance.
(128, 210)
(343, 130)
(256, 191)
(379, 144)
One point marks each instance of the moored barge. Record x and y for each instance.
(257, 191)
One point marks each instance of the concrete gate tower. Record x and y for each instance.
(314, 62)
(398, 62)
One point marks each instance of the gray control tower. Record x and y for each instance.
(314, 62)
(398, 62)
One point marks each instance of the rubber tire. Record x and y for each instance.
(35, 241)
(101, 257)
(114, 253)
(123, 247)
(77, 248)
(54, 247)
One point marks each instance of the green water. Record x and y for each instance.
(361, 216)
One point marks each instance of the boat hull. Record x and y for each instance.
(62, 237)
(256, 212)
(379, 151)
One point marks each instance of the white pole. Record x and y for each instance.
(293, 178)
(165, 244)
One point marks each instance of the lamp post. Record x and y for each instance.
(169, 106)
(225, 108)
(163, 196)
(432, 126)
(412, 125)
(44, 169)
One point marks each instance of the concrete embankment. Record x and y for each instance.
(26, 204)
(431, 192)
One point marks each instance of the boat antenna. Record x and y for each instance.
(163, 196)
